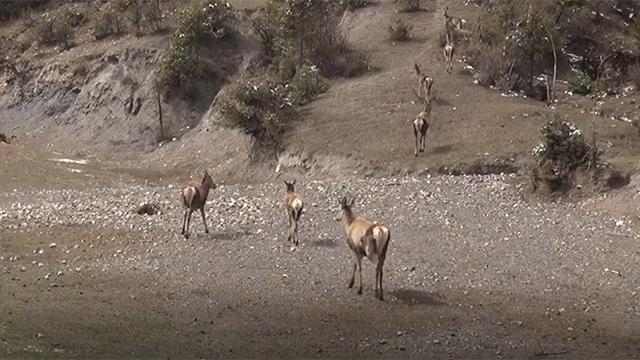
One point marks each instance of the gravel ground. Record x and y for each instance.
(473, 270)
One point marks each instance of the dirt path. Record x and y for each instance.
(473, 271)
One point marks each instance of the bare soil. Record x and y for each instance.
(475, 268)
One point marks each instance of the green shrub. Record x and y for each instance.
(408, 5)
(399, 31)
(305, 85)
(580, 83)
(105, 22)
(354, 4)
(258, 106)
(55, 28)
(196, 20)
(334, 57)
(563, 150)
(307, 31)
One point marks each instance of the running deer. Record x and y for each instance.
(421, 123)
(424, 81)
(365, 239)
(293, 204)
(448, 54)
(194, 197)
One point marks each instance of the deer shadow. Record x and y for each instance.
(414, 297)
(327, 242)
(441, 149)
(442, 101)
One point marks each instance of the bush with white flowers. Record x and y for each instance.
(563, 150)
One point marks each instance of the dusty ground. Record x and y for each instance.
(473, 271)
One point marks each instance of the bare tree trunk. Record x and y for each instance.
(551, 95)
(159, 99)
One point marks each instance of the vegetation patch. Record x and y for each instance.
(562, 151)
(57, 27)
(513, 43)
(307, 31)
(259, 106)
(409, 5)
(198, 20)
(399, 31)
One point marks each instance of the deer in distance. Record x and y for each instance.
(448, 54)
(194, 197)
(365, 239)
(424, 81)
(293, 205)
(452, 23)
(421, 123)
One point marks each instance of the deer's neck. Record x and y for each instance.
(204, 189)
(347, 219)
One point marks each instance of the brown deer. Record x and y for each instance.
(452, 23)
(365, 239)
(449, 51)
(293, 204)
(421, 123)
(424, 81)
(194, 197)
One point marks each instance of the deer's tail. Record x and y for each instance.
(189, 194)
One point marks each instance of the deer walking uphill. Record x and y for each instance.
(194, 197)
(424, 81)
(421, 123)
(365, 239)
(293, 205)
(448, 54)
(452, 23)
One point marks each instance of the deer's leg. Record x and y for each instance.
(289, 218)
(377, 276)
(353, 275)
(189, 212)
(360, 275)
(204, 220)
(295, 231)
(184, 220)
(415, 135)
(379, 271)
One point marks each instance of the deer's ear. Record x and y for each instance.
(286, 182)
(293, 182)
(353, 200)
(343, 201)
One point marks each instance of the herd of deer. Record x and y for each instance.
(452, 26)
(365, 238)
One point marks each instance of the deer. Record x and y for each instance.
(421, 123)
(452, 23)
(293, 205)
(194, 197)
(424, 81)
(449, 51)
(365, 239)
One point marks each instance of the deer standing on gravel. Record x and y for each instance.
(194, 197)
(448, 54)
(293, 205)
(421, 123)
(424, 81)
(365, 239)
